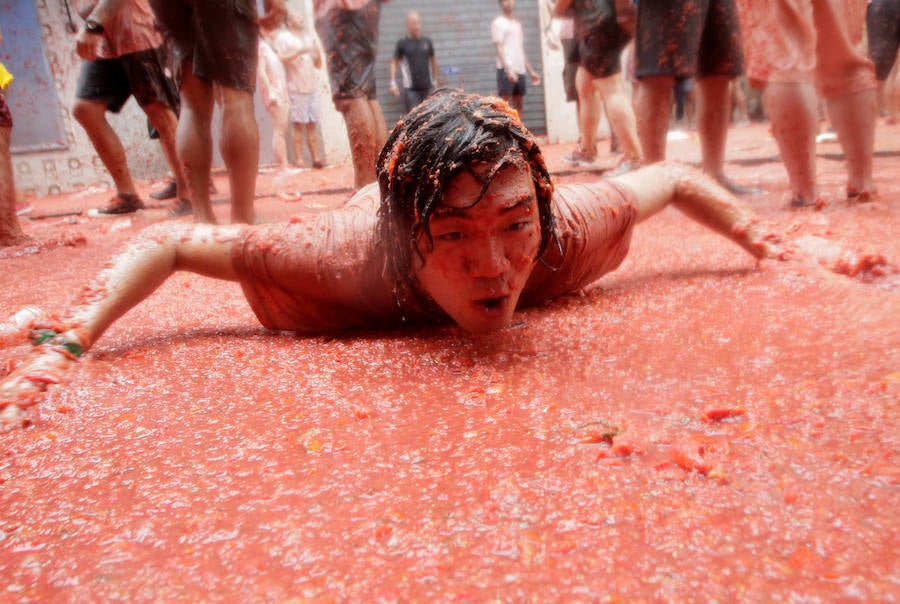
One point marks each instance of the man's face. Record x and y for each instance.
(483, 253)
(414, 25)
(507, 6)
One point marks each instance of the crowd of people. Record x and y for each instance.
(455, 216)
(798, 54)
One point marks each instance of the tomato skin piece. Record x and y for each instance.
(717, 415)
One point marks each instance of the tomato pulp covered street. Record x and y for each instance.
(696, 426)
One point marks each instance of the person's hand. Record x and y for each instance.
(535, 78)
(24, 388)
(87, 44)
(512, 76)
(395, 90)
(552, 38)
(276, 13)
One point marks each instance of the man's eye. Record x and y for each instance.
(449, 236)
(519, 226)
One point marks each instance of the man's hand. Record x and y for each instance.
(87, 44)
(395, 90)
(24, 388)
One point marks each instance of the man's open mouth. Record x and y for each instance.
(493, 305)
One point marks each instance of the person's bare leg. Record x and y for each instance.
(713, 119)
(166, 123)
(239, 146)
(194, 140)
(792, 109)
(312, 142)
(378, 120)
(517, 105)
(361, 130)
(10, 229)
(279, 115)
(652, 107)
(92, 117)
(590, 107)
(131, 277)
(620, 114)
(853, 119)
(297, 130)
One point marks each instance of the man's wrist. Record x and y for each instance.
(93, 26)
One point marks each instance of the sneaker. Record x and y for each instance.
(736, 189)
(179, 208)
(318, 165)
(826, 137)
(580, 158)
(625, 166)
(123, 203)
(23, 208)
(167, 192)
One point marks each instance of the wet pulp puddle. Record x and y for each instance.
(695, 424)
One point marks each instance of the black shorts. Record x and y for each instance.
(600, 48)
(688, 38)
(883, 26)
(5, 116)
(113, 81)
(220, 38)
(350, 38)
(506, 88)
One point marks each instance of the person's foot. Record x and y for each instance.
(123, 203)
(167, 192)
(23, 208)
(734, 188)
(864, 196)
(798, 203)
(318, 165)
(179, 208)
(580, 158)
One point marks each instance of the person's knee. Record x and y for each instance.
(87, 112)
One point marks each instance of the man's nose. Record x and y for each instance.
(488, 258)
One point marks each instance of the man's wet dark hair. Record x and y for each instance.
(449, 133)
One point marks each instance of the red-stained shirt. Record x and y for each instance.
(131, 29)
(324, 272)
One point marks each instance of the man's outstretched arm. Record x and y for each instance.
(132, 276)
(704, 200)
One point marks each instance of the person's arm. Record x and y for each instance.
(317, 52)
(535, 76)
(434, 71)
(133, 275)
(560, 7)
(395, 90)
(87, 43)
(702, 199)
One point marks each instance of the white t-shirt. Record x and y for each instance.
(508, 33)
(301, 73)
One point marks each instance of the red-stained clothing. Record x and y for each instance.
(816, 41)
(131, 29)
(344, 285)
